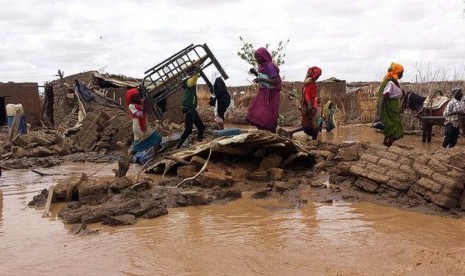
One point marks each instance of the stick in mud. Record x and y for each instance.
(201, 170)
(49, 201)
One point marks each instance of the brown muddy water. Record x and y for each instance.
(244, 237)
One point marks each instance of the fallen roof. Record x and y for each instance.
(245, 144)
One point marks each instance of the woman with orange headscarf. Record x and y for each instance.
(388, 116)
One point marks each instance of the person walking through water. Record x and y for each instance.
(145, 138)
(221, 100)
(454, 109)
(328, 115)
(189, 109)
(264, 111)
(309, 106)
(319, 114)
(388, 116)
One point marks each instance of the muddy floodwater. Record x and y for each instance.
(243, 237)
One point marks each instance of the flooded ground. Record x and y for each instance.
(365, 133)
(246, 236)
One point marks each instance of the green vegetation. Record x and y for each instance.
(247, 50)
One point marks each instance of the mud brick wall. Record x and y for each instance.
(89, 133)
(174, 108)
(61, 110)
(119, 128)
(118, 94)
(367, 104)
(405, 170)
(26, 94)
(85, 77)
(103, 130)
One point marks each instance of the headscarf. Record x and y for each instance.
(267, 59)
(455, 91)
(215, 75)
(392, 75)
(142, 120)
(393, 71)
(314, 72)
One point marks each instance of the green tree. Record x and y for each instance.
(247, 50)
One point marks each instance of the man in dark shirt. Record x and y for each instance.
(189, 105)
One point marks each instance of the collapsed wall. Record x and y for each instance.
(409, 176)
(102, 130)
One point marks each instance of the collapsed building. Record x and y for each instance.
(89, 107)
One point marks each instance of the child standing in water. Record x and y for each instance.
(328, 115)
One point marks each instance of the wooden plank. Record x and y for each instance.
(49, 201)
(13, 132)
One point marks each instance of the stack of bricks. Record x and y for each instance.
(405, 170)
(101, 131)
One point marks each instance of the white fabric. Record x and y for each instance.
(392, 91)
(137, 131)
(264, 84)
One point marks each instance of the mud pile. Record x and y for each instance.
(268, 165)
(192, 178)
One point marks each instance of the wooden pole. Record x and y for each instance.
(63, 91)
(49, 201)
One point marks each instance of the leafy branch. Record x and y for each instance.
(247, 51)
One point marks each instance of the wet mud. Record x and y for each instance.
(399, 176)
(300, 223)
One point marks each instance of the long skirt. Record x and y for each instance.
(147, 143)
(264, 110)
(392, 120)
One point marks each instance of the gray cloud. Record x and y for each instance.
(352, 40)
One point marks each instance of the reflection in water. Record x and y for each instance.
(415, 227)
(369, 134)
(246, 236)
(338, 222)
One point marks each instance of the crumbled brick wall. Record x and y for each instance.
(408, 171)
(62, 109)
(174, 108)
(26, 94)
(103, 129)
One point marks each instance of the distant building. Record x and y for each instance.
(27, 94)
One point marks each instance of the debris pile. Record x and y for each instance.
(405, 176)
(37, 144)
(255, 166)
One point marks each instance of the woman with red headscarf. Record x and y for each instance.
(388, 116)
(309, 106)
(144, 137)
(264, 110)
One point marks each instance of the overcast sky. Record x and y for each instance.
(349, 40)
